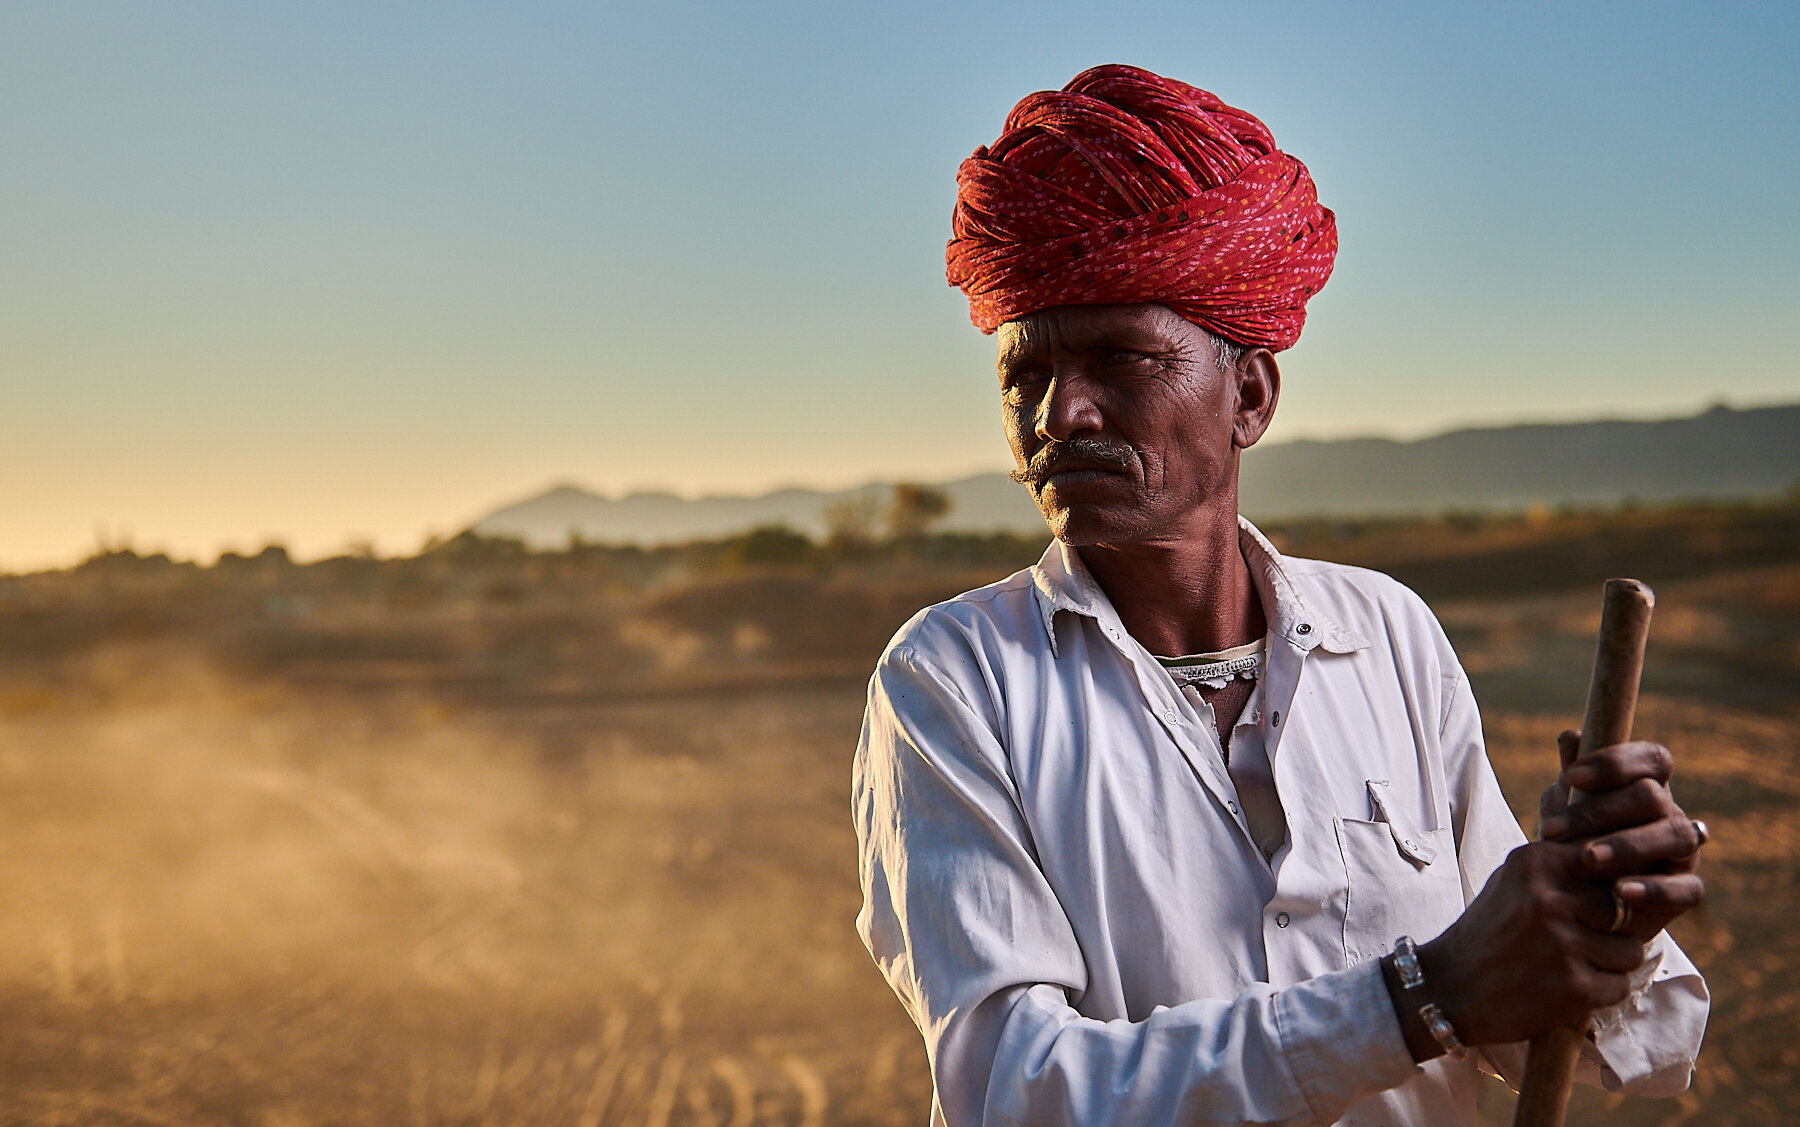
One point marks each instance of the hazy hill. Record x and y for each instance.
(981, 503)
(1721, 453)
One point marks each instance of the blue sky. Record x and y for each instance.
(322, 272)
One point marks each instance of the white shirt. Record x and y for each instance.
(1061, 887)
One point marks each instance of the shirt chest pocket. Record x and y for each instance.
(1402, 879)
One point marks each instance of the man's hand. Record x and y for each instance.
(1533, 951)
(1639, 838)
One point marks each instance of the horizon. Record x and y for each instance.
(630, 490)
(334, 274)
(122, 541)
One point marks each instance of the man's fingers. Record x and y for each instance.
(1629, 852)
(1550, 808)
(1568, 742)
(1636, 908)
(1643, 801)
(1609, 767)
(1596, 909)
(1639, 768)
(1556, 795)
(1677, 891)
(1652, 902)
(1615, 954)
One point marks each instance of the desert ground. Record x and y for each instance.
(498, 837)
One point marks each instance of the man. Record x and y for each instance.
(1143, 827)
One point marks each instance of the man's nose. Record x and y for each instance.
(1068, 408)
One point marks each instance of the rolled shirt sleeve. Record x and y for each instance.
(973, 940)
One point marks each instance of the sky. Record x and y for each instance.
(330, 274)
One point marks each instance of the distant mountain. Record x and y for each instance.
(982, 503)
(1723, 453)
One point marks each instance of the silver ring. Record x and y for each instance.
(1621, 913)
(1701, 832)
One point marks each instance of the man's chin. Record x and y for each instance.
(1079, 525)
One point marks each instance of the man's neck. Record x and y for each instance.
(1184, 595)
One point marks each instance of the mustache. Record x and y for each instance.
(1082, 453)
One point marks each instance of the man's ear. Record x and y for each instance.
(1258, 389)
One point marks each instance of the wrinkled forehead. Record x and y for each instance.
(1079, 328)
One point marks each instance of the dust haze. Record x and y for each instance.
(495, 836)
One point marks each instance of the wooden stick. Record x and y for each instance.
(1611, 703)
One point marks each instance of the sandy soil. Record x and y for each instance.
(237, 896)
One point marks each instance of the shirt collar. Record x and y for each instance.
(1063, 583)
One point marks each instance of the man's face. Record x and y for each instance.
(1122, 422)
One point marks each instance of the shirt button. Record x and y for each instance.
(1275, 719)
(1232, 806)
(1281, 919)
(1169, 716)
(1304, 628)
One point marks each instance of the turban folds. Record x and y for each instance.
(1127, 187)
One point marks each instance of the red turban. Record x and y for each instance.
(1126, 187)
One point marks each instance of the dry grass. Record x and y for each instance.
(236, 896)
(229, 909)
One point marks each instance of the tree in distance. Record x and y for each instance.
(913, 509)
